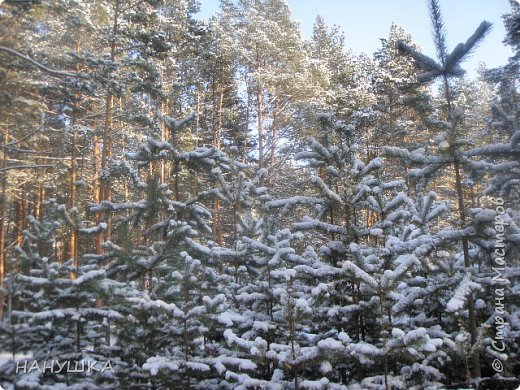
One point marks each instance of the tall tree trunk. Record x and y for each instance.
(274, 135)
(197, 118)
(20, 223)
(96, 188)
(39, 203)
(2, 223)
(73, 243)
(105, 188)
(214, 109)
(465, 241)
(246, 127)
(219, 119)
(467, 264)
(219, 237)
(260, 124)
(163, 138)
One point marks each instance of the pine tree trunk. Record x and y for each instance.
(219, 144)
(467, 264)
(20, 223)
(219, 121)
(78, 336)
(163, 138)
(105, 187)
(96, 189)
(465, 240)
(186, 341)
(108, 123)
(42, 247)
(274, 135)
(73, 243)
(197, 117)
(215, 143)
(13, 328)
(39, 202)
(246, 127)
(260, 124)
(2, 224)
(214, 111)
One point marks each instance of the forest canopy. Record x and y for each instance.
(222, 204)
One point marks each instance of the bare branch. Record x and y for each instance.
(38, 65)
(27, 167)
(22, 139)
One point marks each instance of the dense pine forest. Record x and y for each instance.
(222, 204)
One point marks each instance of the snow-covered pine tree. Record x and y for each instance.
(402, 102)
(503, 145)
(498, 242)
(449, 147)
(177, 282)
(56, 317)
(268, 331)
(365, 263)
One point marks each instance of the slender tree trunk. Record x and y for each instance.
(2, 224)
(42, 247)
(78, 336)
(274, 135)
(214, 111)
(219, 239)
(13, 328)
(219, 119)
(292, 333)
(246, 127)
(260, 124)
(107, 153)
(96, 189)
(467, 264)
(186, 342)
(20, 223)
(73, 243)
(386, 371)
(39, 203)
(361, 318)
(163, 138)
(108, 123)
(197, 118)
(465, 241)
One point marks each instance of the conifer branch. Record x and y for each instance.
(463, 50)
(439, 32)
(37, 64)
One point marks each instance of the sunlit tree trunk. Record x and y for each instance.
(2, 223)
(73, 243)
(105, 187)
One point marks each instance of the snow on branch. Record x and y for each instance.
(461, 294)
(360, 274)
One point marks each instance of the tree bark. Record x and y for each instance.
(274, 135)
(260, 124)
(2, 224)
(73, 243)
(105, 188)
